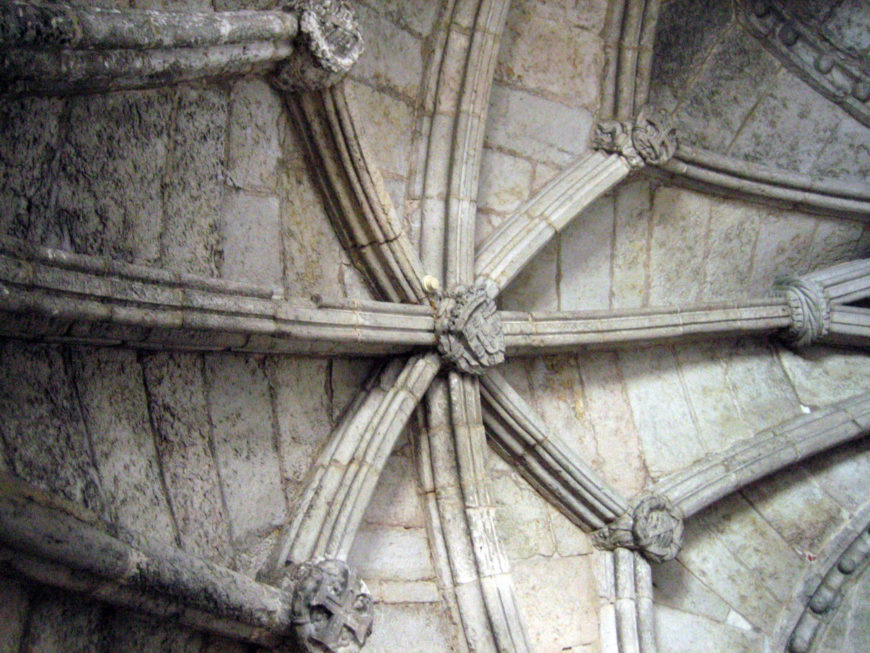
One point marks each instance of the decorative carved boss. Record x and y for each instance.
(468, 330)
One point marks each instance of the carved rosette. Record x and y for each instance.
(332, 609)
(654, 527)
(810, 310)
(332, 43)
(646, 141)
(468, 330)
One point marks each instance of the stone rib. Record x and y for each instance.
(58, 544)
(357, 202)
(544, 459)
(724, 174)
(342, 481)
(714, 477)
(456, 115)
(58, 295)
(59, 49)
(519, 238)
(537, 333)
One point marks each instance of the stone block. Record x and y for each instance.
(682, 632)
(823, 375)
(559, 600)
(842, 472)
(685, 33)
(784, 238)
(386, 124)
(522, 518)
(193, 182)
(392, 553)
(240, 407)
(516, 125)
(64, 622)
(393, 57)
(27, 144)
(797, 508)
(631, 234)
(585, 253)
(504, 182)
(417, 16)
(110, 386)
(734, 77)
(180, 417)
(256, 112)
(569, 538)
(110, 175)
(536, 287)
(396, 501)
(251, 235)
(668, 434)
(784, 130)
(546, 54)
(677, 587)
(46, 439)
(302, 409)
(609, 411)
(678, 216)
(734, 229)
(835, 241)
(411, 628)
(130, 632)
(13, 612)
(845, 156)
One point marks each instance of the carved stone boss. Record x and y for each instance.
(646, 141)
(468, 330)
(810, 310)
(332, 610)
(653, 526)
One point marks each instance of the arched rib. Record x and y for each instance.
(519, 238)
(356, 200)
(630, 36)
(58, 49)
(723, 174)
(53, 294)
(457, 101)
(546, 332)
(544, 459)
(343, 479)
(462, 518)
(712, 478)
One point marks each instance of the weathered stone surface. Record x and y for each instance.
(687, 633)
(676, 587)
(13, 611)
(504, 183)
(631, 233)
(783, 240)
(28, 142)
(393, 57)
(396, 501)
(822, 375)
(193, 182)
(250, 226)
(522, 518)
(846, 155)
(244, 444)
(254, 147)
(535, 288)
(685, 32)
(733, 231)
(179, 414)
(514, 125)
(547, 54)
(392, 553)
(110, 386)
(585, 253)
(415, 628)
(332, 608)
(46, 439)
(300, 389)
(63, 622)
(559, 598)
(734, 77)
(129, 632)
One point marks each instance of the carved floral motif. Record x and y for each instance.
(468, 330)
(654, 527)
(332, 610)
(329, 31)
(645, 141)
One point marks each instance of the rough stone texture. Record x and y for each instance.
(13, 610)
(244, 444)
(256, 113)
(180, 418)
(46, 439)
(127, 631)
(115, 409)
(251, 239)
(64, 623)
